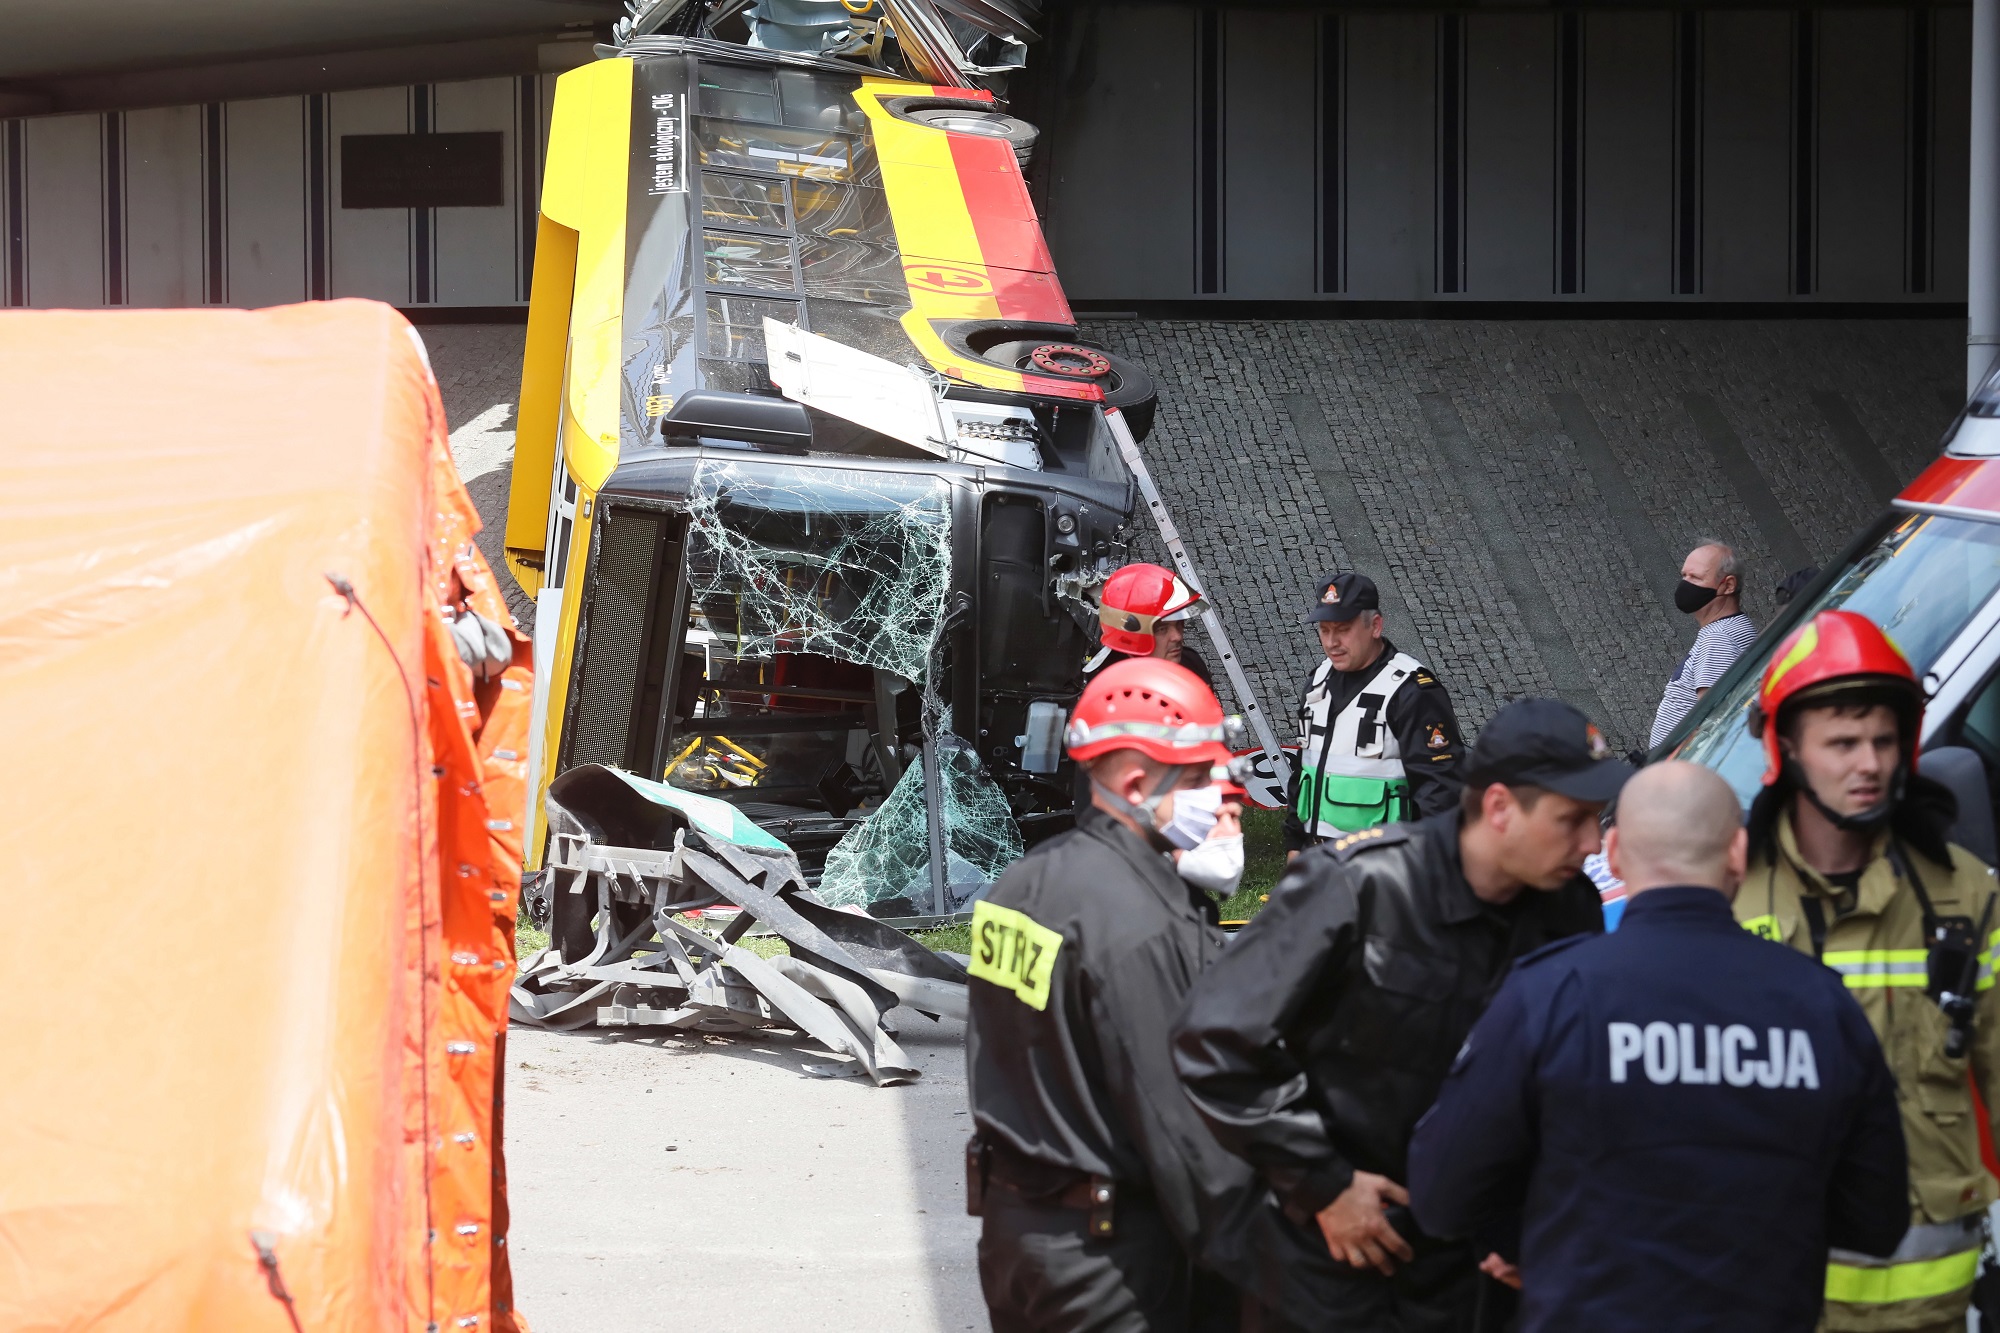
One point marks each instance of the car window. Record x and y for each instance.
(1921, 581)
(1981, 726)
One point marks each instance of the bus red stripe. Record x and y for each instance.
(1010, 237)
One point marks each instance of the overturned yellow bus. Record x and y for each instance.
(814, 479)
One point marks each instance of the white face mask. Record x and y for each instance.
(1195, 809)
(1215, 865)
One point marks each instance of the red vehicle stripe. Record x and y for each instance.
(1010, 237)
(1957, 481)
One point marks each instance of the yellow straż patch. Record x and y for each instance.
(1014, 950)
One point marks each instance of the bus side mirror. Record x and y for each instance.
(777, 423)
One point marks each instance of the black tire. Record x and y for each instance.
(962, 118)
(536, 899)
(1133, 393)
(1127, 387)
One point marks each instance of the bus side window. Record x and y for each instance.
(816, 102)
(738, 93)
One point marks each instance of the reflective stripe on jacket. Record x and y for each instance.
(1352, 765)
(1878, 948)
(1935, 1259)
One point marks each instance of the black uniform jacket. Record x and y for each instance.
(1194, 662)
(1690, 1115)
(1321, 1036)
(1085, 1082)
(1413, 711)
(1190, 659)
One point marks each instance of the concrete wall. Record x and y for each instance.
(1608, 155)
(238, 203)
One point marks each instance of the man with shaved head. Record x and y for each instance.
(1667, 1127)
(1710, 590)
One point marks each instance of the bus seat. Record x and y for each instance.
(1961, 769)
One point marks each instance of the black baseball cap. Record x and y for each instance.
(1343, 597)
(1546, 743)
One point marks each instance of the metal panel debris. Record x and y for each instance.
(631, 858)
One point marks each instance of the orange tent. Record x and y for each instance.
(264, 837)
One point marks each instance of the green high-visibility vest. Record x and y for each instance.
(1351, 772)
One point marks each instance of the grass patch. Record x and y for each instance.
(528, 937)
(946, 939)
(1263, 863)
(765, 946)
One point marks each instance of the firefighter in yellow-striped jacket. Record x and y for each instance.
(1849, 861)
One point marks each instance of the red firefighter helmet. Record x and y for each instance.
(1157, 708)
(1835, 653)
(1135, 599)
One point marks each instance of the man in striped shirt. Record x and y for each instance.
(1710, 590)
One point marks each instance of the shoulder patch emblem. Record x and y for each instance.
(1013, 950)
(1764, 928)
(1425, 678)
(1348, 845)
(1437, 739)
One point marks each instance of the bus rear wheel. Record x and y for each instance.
(1126, 384)
(972, 118)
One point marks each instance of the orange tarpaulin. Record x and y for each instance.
(262, 854)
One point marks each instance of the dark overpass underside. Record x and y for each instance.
(1410, 156)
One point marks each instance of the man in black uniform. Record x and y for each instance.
(1099, 1181)
(1143, 611)
(1688, 1114)
(1378, 741)
(1319, 1038)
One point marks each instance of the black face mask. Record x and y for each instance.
(1692, 597)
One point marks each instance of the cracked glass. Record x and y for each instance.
(888, 856)
(836, 562)
(735, 328)
(802, 582)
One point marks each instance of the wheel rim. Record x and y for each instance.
(964, 122)
(1070, 361)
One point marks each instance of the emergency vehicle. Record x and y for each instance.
(1926, 571)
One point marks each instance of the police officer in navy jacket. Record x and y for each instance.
(1679, 1118)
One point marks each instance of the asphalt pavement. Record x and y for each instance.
(690, 1181)
(696, 1181)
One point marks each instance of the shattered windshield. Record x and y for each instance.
(815, 601)
(838, 563)
(813, 593)
(1921, 582)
